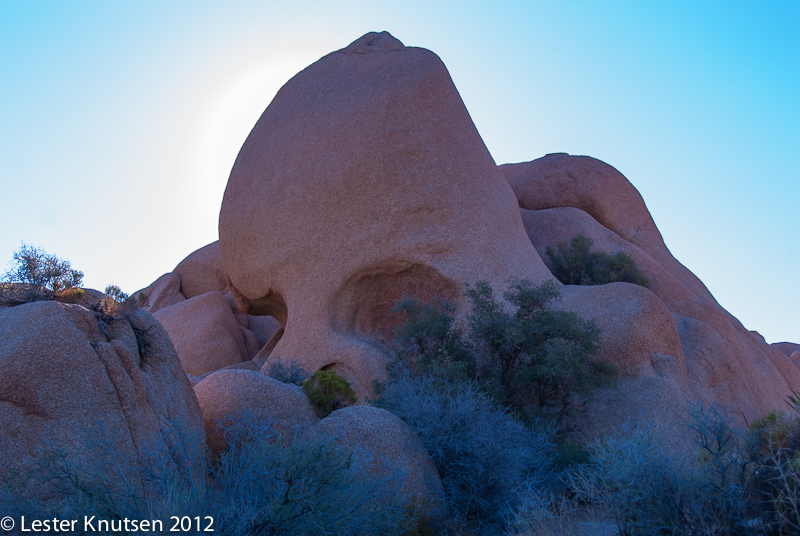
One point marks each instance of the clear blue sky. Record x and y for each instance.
(121, 120)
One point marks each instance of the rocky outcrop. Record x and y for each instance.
(786, 348)
(205, 333)
(90, 386)
(363, 181)
(562, 196)
(202, 326)
(392, 449)
(247, 394)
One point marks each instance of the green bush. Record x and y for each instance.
(328, 392)
(430, 344)
(37, 275)
(575, 264)
(537, 359)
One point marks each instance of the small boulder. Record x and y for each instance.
(228, 393)
(205, 333)
(787, 348)
(391, 447)
(163, 292)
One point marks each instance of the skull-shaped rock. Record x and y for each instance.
(363, 181)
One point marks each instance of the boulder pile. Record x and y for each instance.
(365, 180)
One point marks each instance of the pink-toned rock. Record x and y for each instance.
(205, 333)
(163, 292)
(562, 180)
(795, 357)
(250, 342)
(227, 393)
(365, 179)
(640, 337)
(635, 325)
(787, 348)
(263, 327)
(391, 447)
(725, 363)
(76, 383)
(202, 272)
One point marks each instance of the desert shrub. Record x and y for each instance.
(542, 513)
(304, 486)
(774, 448)
(328, 391)
(37, 275)
(576, 264)
(538, 358)
(289, 372)
(430, 344)
(535, 359)
(483, 453)
(309, 488)
(729, 489)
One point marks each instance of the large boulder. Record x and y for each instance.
(392, 449)
(363, 181)
(231, 394)
(89, 387)
(202, 272)
(205, 333)
(562, 196)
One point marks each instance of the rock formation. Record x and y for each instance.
(392, 449)
(364, 180)
(228, 393)
(562, 196)
(89, 387)
(208, 329)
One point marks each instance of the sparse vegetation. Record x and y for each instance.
(535, 359)
(483, 454)
(37, 275)
(290, 372)
(259, 486)
(576, 264)
(328, 391)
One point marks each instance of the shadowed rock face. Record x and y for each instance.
(363, 180)
(73, 385)
(562, 196)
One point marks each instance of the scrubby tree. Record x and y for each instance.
(576, 264)
(535, 358)
(538, 358)
(37, 275)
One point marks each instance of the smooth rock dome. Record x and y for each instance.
(364, 180)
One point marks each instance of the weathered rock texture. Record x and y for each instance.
(202, 326)
(364, 180)
(562, 196)
(229, 394)
(392, 448)
(205, 333)
(75, 385)
(202, 272)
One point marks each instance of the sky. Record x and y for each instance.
(120, 121)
